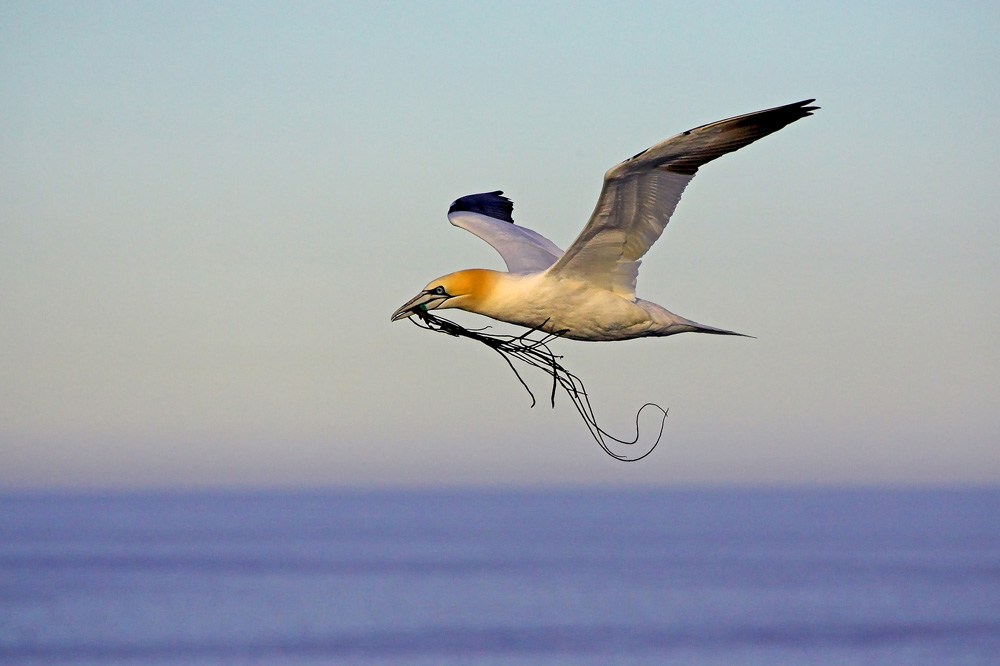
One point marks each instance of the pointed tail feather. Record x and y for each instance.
(670, 324)
(699, 328)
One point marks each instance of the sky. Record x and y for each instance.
(208, 212)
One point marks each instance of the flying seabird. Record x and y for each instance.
(588, 291)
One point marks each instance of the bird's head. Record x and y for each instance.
(464, 290)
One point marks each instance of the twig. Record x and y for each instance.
(536, 353)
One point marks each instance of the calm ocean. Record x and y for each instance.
(502, 577)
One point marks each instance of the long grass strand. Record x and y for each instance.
(535, 352)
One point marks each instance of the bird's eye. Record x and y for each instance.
(439, 290)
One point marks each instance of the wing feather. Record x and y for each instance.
(640, 194)
(488, 216)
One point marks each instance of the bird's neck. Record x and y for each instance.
(474, 287)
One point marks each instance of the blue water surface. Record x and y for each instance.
(502, 577)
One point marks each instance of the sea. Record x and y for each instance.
(467, 576)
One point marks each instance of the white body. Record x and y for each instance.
(577, 309)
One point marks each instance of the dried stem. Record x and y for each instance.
(536, 353)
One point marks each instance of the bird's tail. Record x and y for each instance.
(701, 328)
(667, 323)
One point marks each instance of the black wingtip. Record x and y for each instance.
(788, 113)
(768, 121)
(807, 110)
(490, 204)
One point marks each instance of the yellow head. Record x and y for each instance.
(464, 290)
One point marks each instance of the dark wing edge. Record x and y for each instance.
(687, 151)
(491, 204)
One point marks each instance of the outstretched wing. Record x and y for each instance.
(488, 215)
(641, 193)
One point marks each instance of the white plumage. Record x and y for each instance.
(588, 291)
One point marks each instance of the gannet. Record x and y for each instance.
(588, 291)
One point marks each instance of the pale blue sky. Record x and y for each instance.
(208, 212)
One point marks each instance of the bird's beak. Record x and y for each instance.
(419, 302)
